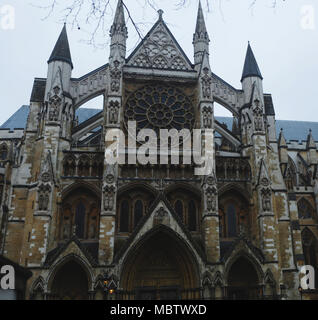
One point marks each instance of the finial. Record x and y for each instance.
(160, 12)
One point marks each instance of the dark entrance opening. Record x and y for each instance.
(243, 282)
(160, 268)
(70, 283)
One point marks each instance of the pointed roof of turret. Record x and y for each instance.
(200, 29)
(251, 68)
(119, 20)
(61, 51)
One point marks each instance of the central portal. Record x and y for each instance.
(160, 268)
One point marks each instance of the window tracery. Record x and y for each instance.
(305, 209)
(233, 215)
(3, 152)
(155, 107)
(80, 215)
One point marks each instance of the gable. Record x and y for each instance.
(160, 50)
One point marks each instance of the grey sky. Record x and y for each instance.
(286, 53)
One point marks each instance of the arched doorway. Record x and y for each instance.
(70, 283)
(243, 281)
(161, 267)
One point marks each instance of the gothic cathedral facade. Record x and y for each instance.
(88, 229)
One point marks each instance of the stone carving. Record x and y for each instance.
(115, 75)
(266, 200)
(206, 81)
(46, 169)
(159, 51)
(109, 198)
(161, 216)
(44, 197)
(258, 117)
(113, 113)
(233, 169)
(55, 104)
(265, 182)
(207, 117)
(224, 92)
(211, 199)
(161, 213)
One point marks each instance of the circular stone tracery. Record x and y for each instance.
(157, 107)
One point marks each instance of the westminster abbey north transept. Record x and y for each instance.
(88, 229)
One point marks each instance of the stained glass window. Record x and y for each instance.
(155, 107)
(192, 216)
(138, 212)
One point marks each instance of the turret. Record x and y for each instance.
(200, 38)
(60, 62)
(251, 75)
(312, 149)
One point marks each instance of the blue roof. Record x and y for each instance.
(19, 118)
(293, 130)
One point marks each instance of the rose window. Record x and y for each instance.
(160, 107)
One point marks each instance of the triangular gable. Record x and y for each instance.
(160, 214)
(242, 244)
(73, 246)
(160, 50)
(263, 176)
(47, 171)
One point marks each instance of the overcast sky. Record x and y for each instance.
(284, 41)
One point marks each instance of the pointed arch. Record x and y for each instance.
(161, 248)
(37, 289)
(81, 184)
(234, 211)
(57, 268)
(305, 209)
(250, 258)
(4, 151)
(80, 209)
(244, 277)
(269, 284)
(310, 250)
(207, 286)
(133, 203)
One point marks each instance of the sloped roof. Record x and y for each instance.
(61, 51)
(293, 130)
(251, 68)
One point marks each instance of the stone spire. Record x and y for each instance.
(118, 34)
(310, 141)
(251, 68)
(281, 140)
(61, 51)
(201, 37)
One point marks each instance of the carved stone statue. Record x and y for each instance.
(207, 117)
(115, 75)
(113, 112)
(266, 200)
(109, 193)
(206, 84)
